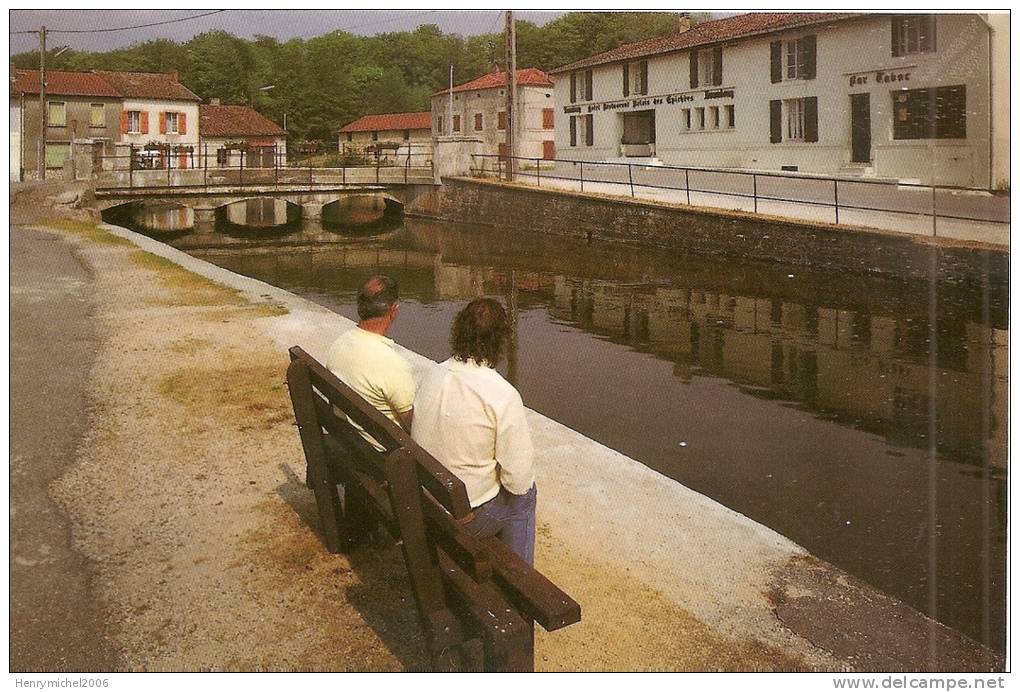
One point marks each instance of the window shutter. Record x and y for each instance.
(776, 121)
(644, 77)
(182, 124)
(694, 69)
(776, 50)
(589, 132)
(587, 85)
(573, 130)
(897, 28)
(124, 127)
(811, 119)
(808, 45)
(626, 79)
(573, 87)
(144, 118)
(548, 118)
(162, 122)
(717, 66)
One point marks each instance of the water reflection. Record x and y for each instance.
(863, 417)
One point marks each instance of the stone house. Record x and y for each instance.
(389, 136)
(228, 132)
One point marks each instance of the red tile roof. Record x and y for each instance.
(145, 85)
(235, 121)
(725, 29)
(61, 83)
(390, 121)
(149, 85)
(529, 76)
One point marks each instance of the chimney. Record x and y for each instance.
(174, 76)
(683, 22)
(214, 102)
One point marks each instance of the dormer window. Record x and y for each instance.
(635, 78)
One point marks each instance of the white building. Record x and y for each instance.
(478, 109)
(893, 96)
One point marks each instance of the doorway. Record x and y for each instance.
(860, 128)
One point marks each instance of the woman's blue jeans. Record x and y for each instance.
(511, 518)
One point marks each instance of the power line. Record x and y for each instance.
(120, 28)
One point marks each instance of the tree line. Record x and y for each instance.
(325, 82)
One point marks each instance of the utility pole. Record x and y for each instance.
(449, 102)
(42, 103)
(511, 93)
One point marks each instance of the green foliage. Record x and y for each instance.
(325, 82)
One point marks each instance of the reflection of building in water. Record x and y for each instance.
(871, 371)
(257, 211)
(164, 217)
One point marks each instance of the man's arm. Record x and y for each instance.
(514, 452)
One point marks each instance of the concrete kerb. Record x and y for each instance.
(717, 563)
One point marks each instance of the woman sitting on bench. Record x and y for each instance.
(472, 420)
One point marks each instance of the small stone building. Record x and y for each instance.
(229, 133)
(389, 136)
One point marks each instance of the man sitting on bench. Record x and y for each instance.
(364, 358)
(472, 420)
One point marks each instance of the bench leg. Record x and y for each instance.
(513, 654)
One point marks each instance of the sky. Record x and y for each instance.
(281, 24)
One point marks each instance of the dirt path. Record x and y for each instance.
(188, 499)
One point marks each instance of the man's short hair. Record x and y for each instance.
(480, 332)
(377, 296)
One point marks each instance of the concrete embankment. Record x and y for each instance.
(593, 217)
(188, 499)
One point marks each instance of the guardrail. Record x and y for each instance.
(838, 194)
(193, 169)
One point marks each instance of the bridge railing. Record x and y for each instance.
(196, 168)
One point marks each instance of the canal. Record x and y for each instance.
(863, 417)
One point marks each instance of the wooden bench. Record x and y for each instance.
(466, 589)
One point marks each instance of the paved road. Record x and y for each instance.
(54, 620)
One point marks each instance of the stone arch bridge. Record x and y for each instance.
(205, 200)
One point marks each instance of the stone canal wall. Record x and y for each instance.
(592, 218)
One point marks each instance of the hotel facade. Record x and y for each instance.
(908, 97)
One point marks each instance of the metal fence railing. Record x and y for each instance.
(754, 190)
(190, 168)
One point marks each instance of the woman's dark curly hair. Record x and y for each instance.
(480, 331)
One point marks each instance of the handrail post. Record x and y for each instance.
(835, 197)
(205, 165)
(377, 168)
(538, 171)
(687, 184)
(582, 176)
(754, 190)
(240, 173)
(934, 214)
(343, 172)
(630, 177)
(309, 175)
(131, 166)
(407, 166)
(168, 165)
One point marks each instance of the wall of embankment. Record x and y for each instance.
(593, 218)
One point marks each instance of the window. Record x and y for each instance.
(794, 120)
(407, 135)
(685, 116)
(222, 155)
(501, 120)
(56, 114)
(97, 114)
(731, 116)
(706, 67)
(440, 123)
(172, 123)
(134, 122)
(713, 117)
(456, 123)
(793, 58)
(699, 118)
(635, 78)
(350, 136)
(478, 121)
(548, 150)
(582, 130)
(794, 129)
(375, 136)
(580, 86)
(913, 33)
(57, 153)
(939, 113)
(548, 118)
